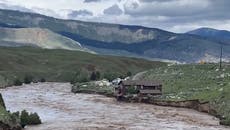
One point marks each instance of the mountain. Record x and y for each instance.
(220, 35)
(36, 37)
(123, 40)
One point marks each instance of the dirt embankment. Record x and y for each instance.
(191, 104)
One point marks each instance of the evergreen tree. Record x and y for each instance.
(34, 119)
(93, 76)
(28, 79)
(24, 118)
(98, 75)
(17, 82)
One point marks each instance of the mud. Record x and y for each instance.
(60, 109)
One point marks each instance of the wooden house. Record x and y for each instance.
(141, 87)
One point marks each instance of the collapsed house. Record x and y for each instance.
(140, 87)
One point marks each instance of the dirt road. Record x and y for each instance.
(62, 110)
(138, 75)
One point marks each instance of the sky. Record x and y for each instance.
(171, 15)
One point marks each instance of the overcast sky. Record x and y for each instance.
(171, 15)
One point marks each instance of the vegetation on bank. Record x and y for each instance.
(16, 120)
(7, 119)
(93, 87)
(194, 81)
(23, 64)
(27, 118)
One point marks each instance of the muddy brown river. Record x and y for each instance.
(60, 109)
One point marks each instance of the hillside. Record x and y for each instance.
(220, 35)
(36, 37)
(193, 81)
(114, 39)
(63, 65)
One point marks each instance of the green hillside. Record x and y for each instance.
(203, 82)
(64, 66)
(37, 37)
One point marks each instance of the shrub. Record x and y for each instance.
(16, 114)
(93, 76)
(43, 80)
(34, 119)
(110, 76)
(24, 118)
(28, 79)
(17, 82)
(132, 90)
(80, 76)
(225, 122)
(28, 119)
(129, 73)
(98, 75)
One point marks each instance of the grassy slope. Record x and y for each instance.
(62, 65)
(204, 82)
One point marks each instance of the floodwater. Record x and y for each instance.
(60, 109)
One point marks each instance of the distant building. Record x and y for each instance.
(141, 87)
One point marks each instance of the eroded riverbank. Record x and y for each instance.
(60, 109)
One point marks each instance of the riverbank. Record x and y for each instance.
(60, 109)
(198, 105)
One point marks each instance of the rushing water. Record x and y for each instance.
(60, 109)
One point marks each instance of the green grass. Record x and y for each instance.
(62, 65)
(203, 82)
(90, 87)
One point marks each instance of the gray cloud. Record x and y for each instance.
(113, 10)
(77, 13)
(14, 7)
(88, 1)
(172, 15)
(149, 1)
(174, 12)
(179, 8)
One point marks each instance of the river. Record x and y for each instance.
(60, 109)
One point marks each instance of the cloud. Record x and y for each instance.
(177, 15)
(149, 1)
(171, 15)
(170, 8)
(113, 10)
(14, 7)
(88, 1)
(77, 13)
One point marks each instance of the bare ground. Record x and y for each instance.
(62, 110)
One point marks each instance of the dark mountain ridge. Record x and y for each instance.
(141, 41)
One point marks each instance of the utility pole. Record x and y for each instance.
(221, 55)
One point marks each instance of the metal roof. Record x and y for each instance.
(141, 83)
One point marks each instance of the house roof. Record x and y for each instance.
(141, 83)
